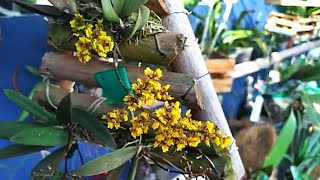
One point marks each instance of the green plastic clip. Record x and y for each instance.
(112, 88)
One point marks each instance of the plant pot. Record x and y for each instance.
(219, 70)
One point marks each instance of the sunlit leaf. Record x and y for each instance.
(107, 162)
(282, 143)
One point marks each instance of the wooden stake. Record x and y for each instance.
(190, 61)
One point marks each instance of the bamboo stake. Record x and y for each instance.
(190, 61)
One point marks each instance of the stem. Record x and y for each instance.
(115, 62)
(163, 168)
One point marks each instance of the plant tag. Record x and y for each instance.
(111, 86)
(256, 111)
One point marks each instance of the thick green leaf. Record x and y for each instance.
(10, 128)
(130, 7)
(133, 169)
(118, 5)
(115, 173)
(49, 164)
(25, 113)
(42, 136)
(64, 110)
(109, 13)
(107, 162)
(94, 126)
(32, 107)
(143, 16)
(282, 143)
(18, 150)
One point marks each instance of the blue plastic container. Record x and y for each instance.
(23, 41)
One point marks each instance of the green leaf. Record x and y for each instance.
(118, 5)
(18, 150)
(25, 113)
(49, 164)
(107, 162)
(311, 102)
(94, 126)
(298, 175)
(130, 7)
(303, 151)
(42, 136)
(32, 107)
(282, 143)
(10, 128)
(108, 12)
(133, 169)
(307, 72)
(33, 70)
(143, 16)
(115, 173)
(64, 110)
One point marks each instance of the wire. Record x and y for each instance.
(195, 81)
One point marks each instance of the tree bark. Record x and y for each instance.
(61, 66)
(79, 100)
(190, 61)
(158, 6)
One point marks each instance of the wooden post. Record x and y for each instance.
(190, 61)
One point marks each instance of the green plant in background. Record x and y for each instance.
(240, 37)
(297, 149)
(213, 36)
(190, 4)
(299, 11)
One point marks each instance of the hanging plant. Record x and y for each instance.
(100, 29)
(164, 135)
